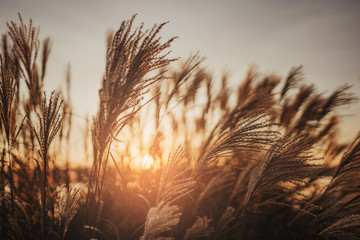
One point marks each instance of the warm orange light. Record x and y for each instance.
(144, 162)
(148, 161)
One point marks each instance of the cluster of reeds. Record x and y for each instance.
(29, 123)
(256, 160)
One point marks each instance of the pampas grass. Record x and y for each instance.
(259, 160)
(347, 227)
(130, 59)
(49, 120)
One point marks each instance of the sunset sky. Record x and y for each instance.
(323, 36)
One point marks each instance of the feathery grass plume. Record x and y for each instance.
(68, 201)
(129, 60)
(329, 130)
(9, 112)
(251, 104)
(180, 94)
(223, 179)
(318, 107)
(252, 133)
(160, 219)
(224, 224)
(14, 228)
(347, 169)
(342, 195)
(26, 45)
(252, 87)
(312, 113)
(345, 228)
(223, 96)
(240, 182)
(333, 148)
(195, 84)
(291, 107)
(45, 56)
(338, 98)
(66, 127)
(180, 77)
(289, 160)
(245, 89)
(49, 121)
(292, 79)
(130, 57)
(309, 116)
(209, 87)
(9, 78)
(268, 83)
(175, 181)
(200, 229)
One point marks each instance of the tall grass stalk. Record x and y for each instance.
(49, 120)
(131, 61)
(10, 129)
(259, 160)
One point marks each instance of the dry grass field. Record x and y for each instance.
(176, 152)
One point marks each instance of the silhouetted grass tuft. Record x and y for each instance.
(257, 160)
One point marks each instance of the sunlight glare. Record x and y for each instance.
(146, 162)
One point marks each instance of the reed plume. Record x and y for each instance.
(160, 219)
(345, 228)
(288, 160)
(251, 133)
(131, 61)
(259, 159)
(68, 201)
(26, 47)
(200, 229)
(9, 111)
(175, 183)
(342, 196)
(49, 123)
(293, 78)
(9, 67)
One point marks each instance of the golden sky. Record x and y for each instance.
(323, 36)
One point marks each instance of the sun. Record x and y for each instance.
(142, 162)
(147, 161)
